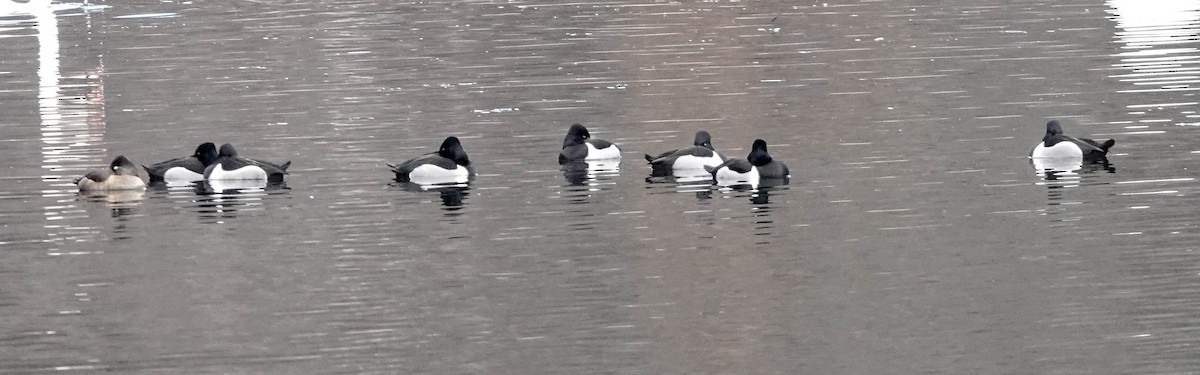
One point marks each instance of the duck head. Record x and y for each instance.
(758, 153)
(227, 151)
(576, 135)
(123, 167)
(452, 149)
(206, 153)
(703, 140)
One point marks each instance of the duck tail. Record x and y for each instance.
(283, 167)
(710, 169)
(1107, 144)
(649, 158)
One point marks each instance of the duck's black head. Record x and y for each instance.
(122, 166)
(758, 153)
(227, 150)
(206, 153)
(703, 140)
(452, 149)
(576, 135)
(1053, 128)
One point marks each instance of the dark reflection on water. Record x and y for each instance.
(590, 173)
(453, 196)
(913, 239)
(216, 201)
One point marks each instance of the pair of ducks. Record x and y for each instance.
(206, 163)
(450, 163)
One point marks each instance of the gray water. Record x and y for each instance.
(914, 236)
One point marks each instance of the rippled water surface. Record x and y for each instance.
(914, 235)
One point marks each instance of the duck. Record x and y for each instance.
(450, 164)
(701, 154)
(580, 146)
(187, 168)
(121, 175)
(230, 166)
(1055, 144)
(758, 165)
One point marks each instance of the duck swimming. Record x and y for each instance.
(450, 164)
(121, 175)
(580, 146)
(695, 158)
(756, 166)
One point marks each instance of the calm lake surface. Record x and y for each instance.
(914, 236)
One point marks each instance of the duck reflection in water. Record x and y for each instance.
(761, 208)
(1065, 175)
(701, 185)
(591, 173)
(764, 223)
(761, 193)
(453, 195)
(1050, 169)
(218, 199)
(122, 204)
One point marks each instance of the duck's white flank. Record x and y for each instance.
(432, 174)
(610, 152)
(181, 174)
(249, 172)
(696, 162)
(1064, 149)
(726, 176)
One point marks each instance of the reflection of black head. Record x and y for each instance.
(206, 153)
(763, 196)
(122, 166)
(758, 153)
(227, 150)
(576, 135)
(452, 198)
(452, 149)
(703, 140)
(576, 172)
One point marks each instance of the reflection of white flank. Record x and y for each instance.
(1137, 15)
(1160, 45)
(48, 73)
(10, 8)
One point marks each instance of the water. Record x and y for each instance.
(914, 237)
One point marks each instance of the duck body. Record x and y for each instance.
(230, 166)
(120, 175)
(450, 164)
(689, 159)
(580, 146)
(1056, 145)
(757, 166)
(187, 168)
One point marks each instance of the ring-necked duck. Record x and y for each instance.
(579, 145)
(187, 168)
(701, 154)
(449, 164)
(756, 166)
(230, 166)
(121, 175)
(1055, 144)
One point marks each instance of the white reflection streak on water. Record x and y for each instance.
(65, 121)
(1159, 45)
